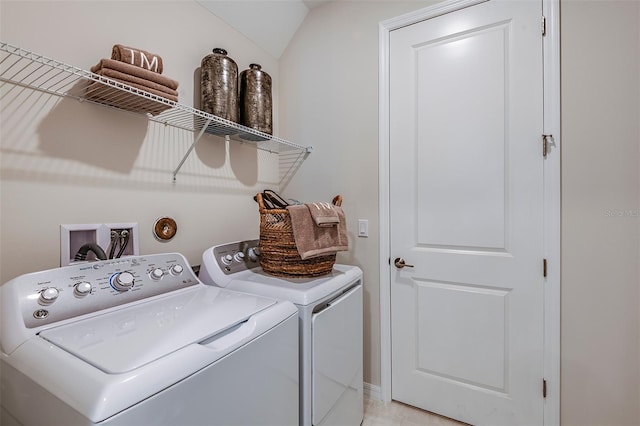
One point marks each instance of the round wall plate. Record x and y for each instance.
(165, 229)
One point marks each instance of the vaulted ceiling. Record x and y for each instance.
(270, 24)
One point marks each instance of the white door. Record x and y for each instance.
(466, 180)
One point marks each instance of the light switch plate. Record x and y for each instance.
(363, 228)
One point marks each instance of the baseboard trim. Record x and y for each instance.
(372, 392)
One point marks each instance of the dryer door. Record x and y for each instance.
(337, 361)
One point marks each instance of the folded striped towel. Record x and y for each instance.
(140, 83)
(108, 95)
(148, 89)
(135, 71)
(137, 57)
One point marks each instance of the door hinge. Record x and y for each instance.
(543, 26)
(545, 145)
(544, 388)
(544, 268)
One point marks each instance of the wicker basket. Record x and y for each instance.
(278, 252)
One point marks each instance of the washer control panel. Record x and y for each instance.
(237, 256)
(59, 294)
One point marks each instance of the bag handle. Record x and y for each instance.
(262, 203)
(258, 199)
(275, 199)
(266, 202)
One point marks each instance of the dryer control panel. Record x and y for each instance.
(237, 256)
(63, 293)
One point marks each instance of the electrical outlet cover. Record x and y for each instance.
(74, 236)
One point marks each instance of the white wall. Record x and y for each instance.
(329, 99)
(600, 212)
(69, 162)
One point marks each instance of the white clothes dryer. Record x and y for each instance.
(330, 319)
(141, 341)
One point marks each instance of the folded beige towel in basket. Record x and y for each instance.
(324, 214)
(135, 71)
(137, 57)
(312, 240)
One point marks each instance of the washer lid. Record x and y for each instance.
(300, 291)
(127, 338)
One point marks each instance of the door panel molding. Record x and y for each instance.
(551, 57)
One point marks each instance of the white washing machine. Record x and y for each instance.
(330, 318)
(141, 341)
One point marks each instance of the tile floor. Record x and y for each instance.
(378, 413)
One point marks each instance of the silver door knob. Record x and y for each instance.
(399, 262)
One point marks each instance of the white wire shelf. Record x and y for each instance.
(23, 68)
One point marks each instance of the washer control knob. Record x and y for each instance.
(82, 289)
(48, 295)
(176, 269)
(227, 259)
(253, 253)
(123, 281)
(156, 274)
(239, 256)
